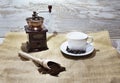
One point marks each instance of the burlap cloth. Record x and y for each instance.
(102, 66)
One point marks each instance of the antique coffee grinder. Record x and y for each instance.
(36, 33)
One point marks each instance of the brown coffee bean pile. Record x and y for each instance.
(54, 70)
(75, 51)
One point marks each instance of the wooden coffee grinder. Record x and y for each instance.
(36, 33)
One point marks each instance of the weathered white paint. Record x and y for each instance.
(67, 15)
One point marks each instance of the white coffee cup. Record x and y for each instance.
(78, 40)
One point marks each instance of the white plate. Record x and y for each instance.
(89, 50)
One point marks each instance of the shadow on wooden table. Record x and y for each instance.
(81, 57)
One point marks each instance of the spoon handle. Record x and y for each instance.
(28, 56)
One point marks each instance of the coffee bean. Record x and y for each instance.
(75, 51)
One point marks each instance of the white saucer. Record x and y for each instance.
(89, 50)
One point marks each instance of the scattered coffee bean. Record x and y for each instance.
(75, 51)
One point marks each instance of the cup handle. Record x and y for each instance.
(90, 38)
